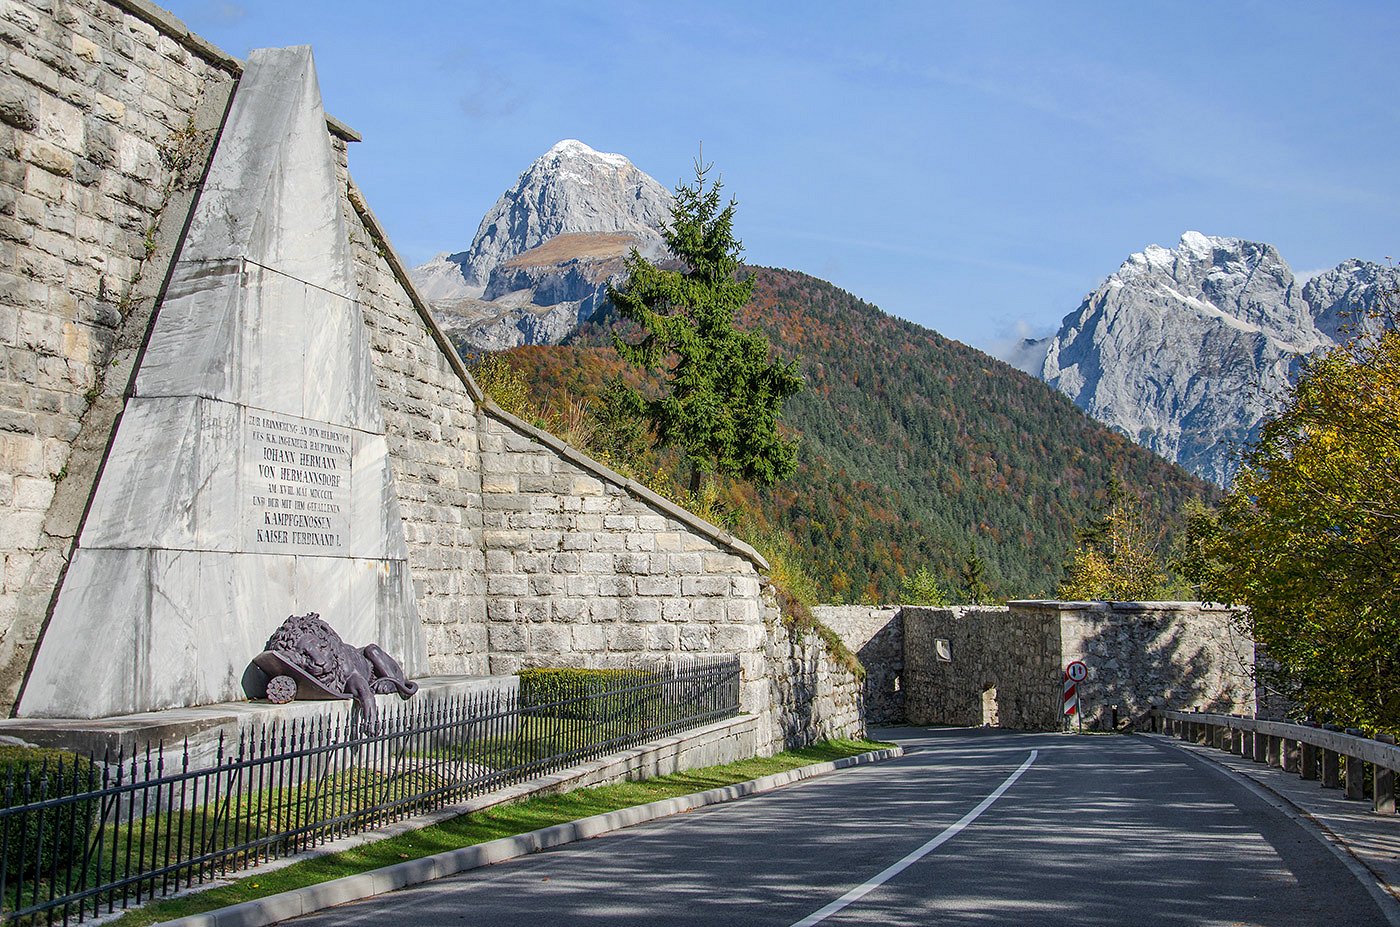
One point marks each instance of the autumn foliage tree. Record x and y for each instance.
(1309, 536)
(722, 393)
(1116, 558)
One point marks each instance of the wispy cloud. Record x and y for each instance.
(488, 96)
(1019, 343)
(227, 12)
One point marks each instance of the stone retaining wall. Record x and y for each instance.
(522, 550)
(1002, 667)
(875, 636)
(813, 696)
(1005, 665)
(1145, 655)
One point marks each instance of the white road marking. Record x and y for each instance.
(860, 891)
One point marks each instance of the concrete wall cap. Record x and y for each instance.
(1102, 605)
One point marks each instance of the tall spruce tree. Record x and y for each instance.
(722, 394)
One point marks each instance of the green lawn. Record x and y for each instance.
(502, 821)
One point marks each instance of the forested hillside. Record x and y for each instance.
(916, 451)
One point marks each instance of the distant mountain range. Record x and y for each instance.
(1187, 350)
(1184, 351)
(916, 451)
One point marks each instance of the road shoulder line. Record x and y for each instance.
(263, 911)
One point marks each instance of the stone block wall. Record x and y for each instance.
(522, 550)
(813, 696)
(431, 413)
(876, 635)
(1003, 667)
(105, 124)
(585, 566)
(1145, 655)
(1140, 655)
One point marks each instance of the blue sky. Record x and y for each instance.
(974, 167)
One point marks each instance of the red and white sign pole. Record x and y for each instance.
(1075, 673)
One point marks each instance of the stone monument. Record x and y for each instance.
(249, 477)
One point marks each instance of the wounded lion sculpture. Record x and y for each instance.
(305, 658)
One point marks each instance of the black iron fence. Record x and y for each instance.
(84, 837)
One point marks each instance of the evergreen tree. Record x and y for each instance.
(922, 588)
(722, 394)
(975, 590)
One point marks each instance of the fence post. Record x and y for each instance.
(1383, 783)
(1307, 761)
(1331, 769)
(1355, 772)
(1261, 747)
(1273, 750)
(1290, 755)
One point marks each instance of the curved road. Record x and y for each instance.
(1096, 830)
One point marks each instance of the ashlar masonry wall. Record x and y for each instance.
(585, 565)
(106, 122)
(522, 550)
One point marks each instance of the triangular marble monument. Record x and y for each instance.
(249, 477)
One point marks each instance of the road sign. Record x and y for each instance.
(1077, 671)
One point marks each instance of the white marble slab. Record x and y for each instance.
(249, 478)
(170, 478)
(271, 194)
(98, 641)
(193, 347)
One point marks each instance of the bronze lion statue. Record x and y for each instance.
(306, 658)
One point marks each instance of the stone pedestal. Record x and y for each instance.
(202, 727)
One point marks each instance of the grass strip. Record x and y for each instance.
(500, 821)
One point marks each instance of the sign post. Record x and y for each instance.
(1075, 673)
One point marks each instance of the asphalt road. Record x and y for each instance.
(1096, 830)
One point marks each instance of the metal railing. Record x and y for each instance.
(1339, 758)
(84, 837)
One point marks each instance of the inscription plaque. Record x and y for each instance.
(296, 485)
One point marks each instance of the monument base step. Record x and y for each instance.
(203, 725)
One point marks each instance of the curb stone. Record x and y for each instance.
(279, 907)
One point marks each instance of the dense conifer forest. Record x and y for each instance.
(916, 451)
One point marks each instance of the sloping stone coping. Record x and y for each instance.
(487, 405)
(301, 901)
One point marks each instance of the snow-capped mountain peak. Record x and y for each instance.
(1186, 349)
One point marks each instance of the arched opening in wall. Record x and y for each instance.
(991, 712)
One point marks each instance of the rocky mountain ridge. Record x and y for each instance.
(545, 251)
(1186, 350)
